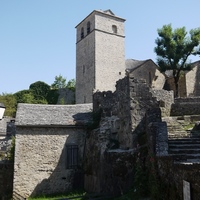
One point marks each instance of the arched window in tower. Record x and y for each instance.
(88, 27)
(82, 33)
(114, 29)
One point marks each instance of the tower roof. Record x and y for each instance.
(108, 13)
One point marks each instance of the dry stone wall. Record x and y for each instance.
(186, 106)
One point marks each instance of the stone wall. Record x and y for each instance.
(107, 171)
(66, 96)
(40, 160)
(186, 106)
(111, 150)
(129, 103)
(141, 100)
(166, 99)
(172, 175)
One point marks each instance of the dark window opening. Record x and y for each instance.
(88, 27)
(83, 69)
(82, 33)
(72, 156)
(114, 29)
(84, 99)
(150, 78)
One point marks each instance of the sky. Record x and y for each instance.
(38, 37)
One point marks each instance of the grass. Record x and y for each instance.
(83, 196)
(188, 127)
(78, 195)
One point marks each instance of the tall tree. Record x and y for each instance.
(173, 49)
(60, 82)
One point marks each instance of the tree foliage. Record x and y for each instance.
(9, 101)
(71, 84)
(40, 91)
(60, 82)
(24, 96)
(173, 49)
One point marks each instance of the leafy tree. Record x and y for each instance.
(40, 91)
(59, 82)
(9, 101)
(71, 84)
(24, 96)
(173, 49)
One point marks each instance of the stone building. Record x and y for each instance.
(188, 85)
(100, 54)
(49, 148)
(146, 70)
(192, 80)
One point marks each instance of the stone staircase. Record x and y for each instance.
(184, 146)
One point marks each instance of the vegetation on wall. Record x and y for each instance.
(174, 48)
(96, 117)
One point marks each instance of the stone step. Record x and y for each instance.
(184, 146)
(189, 140)
(188, 162)
(178, 151)
(178, 135)
(185, 157)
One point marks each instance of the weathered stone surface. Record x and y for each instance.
(66, 96)
(107, 171)
(99, 54)
(172, 176)
(40, 160)
(43, 131)
(166, 99)
(185, 106)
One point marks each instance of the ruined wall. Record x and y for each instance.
(40, 160)
(129, 103)
(186, 106)
(107, 171)
(141, 100)
(111, 149)
(172, 175)
(166, 99)
(66, 96)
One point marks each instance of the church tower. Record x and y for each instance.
(100, 54)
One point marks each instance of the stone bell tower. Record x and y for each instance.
(100, 54)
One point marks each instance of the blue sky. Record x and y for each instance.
(37, 37)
